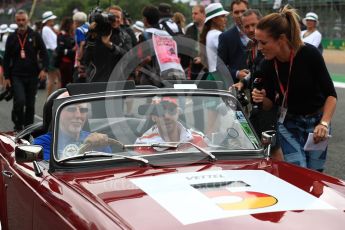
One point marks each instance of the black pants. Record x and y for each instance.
(24, 95)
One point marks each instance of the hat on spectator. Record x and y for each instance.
(139, 25)
(214, 10)
(48, 15)
(3, 28)
(12, 28)
(164, 10)
(311, 16)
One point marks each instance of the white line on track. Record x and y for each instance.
(339, 84)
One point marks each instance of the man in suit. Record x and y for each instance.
(193, 31)
(232, 44)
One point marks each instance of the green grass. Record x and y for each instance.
(338, 77)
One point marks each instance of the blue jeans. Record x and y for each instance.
(293, 135)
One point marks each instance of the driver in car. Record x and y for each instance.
(167, 128)
(71, 135)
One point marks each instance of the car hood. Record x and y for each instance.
(237, 195)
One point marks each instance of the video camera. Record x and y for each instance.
(241, 97)
(103, 21)
(7, 94)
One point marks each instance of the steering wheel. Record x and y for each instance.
(88, 146)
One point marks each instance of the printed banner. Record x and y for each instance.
(165, 48)
(202, 196)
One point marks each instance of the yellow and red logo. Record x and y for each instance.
(243, 200)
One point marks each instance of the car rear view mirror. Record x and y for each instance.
(28, 153)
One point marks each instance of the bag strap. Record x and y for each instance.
(167, 28)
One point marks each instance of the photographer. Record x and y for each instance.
(106, 44)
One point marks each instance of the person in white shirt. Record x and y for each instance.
(214, 25)
(311, 35)
(49, 37)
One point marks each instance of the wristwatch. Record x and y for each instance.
(324, 123)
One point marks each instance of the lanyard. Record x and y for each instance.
(254, 52)
(285, 93)
(22, 43)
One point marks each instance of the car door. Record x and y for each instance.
(19, 189)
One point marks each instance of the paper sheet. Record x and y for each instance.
(311, 146)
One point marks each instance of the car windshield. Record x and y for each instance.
(151, 124)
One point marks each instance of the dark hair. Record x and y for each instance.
(285, 22)
(238, 2)
(205, 29)
(21, 11)
(252, 11)
(66, 25)
(164, 10)
(151, 14)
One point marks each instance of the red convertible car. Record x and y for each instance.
(182, 157)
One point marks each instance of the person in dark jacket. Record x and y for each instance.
(65, 51)
(233, 42)
(104, 52)
(21, 69)
(193, 32)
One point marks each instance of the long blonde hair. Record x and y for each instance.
(285, 22)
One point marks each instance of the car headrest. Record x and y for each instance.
(97, 87)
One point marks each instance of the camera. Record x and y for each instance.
(257, 84)
(103, 22)
(7, 94)
(242, 98)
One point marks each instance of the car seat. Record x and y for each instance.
(47, 113)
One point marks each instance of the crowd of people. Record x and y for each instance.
(280, 67)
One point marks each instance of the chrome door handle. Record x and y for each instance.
(7, 174)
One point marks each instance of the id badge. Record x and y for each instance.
(22, 54)
(282, 115)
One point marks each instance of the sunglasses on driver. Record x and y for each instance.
(73, 109)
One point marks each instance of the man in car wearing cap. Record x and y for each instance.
(167, 128)
(21, 69)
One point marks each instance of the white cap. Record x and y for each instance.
(3, 28)
(311, 16)
(139, 25)
(48, 15)
(214, 10)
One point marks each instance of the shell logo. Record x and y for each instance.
(243, 200)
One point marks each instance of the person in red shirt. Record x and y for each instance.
(167, 128)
